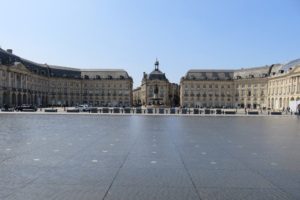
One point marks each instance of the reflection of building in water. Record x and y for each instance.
(26, 82)
(273, 86)
(156, 89)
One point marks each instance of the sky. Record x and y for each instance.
(131, 34)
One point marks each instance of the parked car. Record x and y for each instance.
(26, 107)
(7, 109)
(83, 108)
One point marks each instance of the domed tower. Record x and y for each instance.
(155, 88)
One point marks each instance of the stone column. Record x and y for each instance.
(1, 98)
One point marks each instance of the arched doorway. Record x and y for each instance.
(19, 99)
(29, 99)
(13, 99)
(280, 103)
(24, 99)
(6, 98)
(35, 99)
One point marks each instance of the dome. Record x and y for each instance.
(157, 75)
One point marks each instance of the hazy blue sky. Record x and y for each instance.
(130, 34)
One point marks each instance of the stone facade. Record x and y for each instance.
(271, 87)
(251, 87)
(156, 81)
(284, 85)
(207, 88)
(26, 82)
(136, 96)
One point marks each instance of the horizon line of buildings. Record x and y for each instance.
(26, 82)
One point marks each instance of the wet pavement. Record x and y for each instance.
(89, 157)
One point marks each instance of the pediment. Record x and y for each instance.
(297, 69)
(21, 67)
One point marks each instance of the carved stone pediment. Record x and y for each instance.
(19, 67)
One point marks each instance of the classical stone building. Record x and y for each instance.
(136, 96)
(251, 86)
(273, 86)
(26, 82)
(284, 85)
(156, 89)
(207, 88)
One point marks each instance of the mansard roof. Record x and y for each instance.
(290, 65)
(203, 74)
(105, 73)
(157, 75)
(255, 72)
(7, 58)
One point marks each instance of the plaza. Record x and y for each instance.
(148, 157)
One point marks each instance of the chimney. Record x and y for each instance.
(9, 51)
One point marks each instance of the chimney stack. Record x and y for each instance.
(9, 51)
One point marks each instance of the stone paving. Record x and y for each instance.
(89, 157)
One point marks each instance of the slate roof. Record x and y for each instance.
(9, 59)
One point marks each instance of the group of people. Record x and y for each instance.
(288, 110)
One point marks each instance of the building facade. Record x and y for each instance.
(273, 87)
(136, 96)
(284, 85)
(251, 86)
(26, 82)
(156, 90)
(207, 88)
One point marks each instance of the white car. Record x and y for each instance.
(83, 107)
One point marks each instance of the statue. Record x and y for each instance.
(155, 99)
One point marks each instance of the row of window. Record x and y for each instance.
(207, 86)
